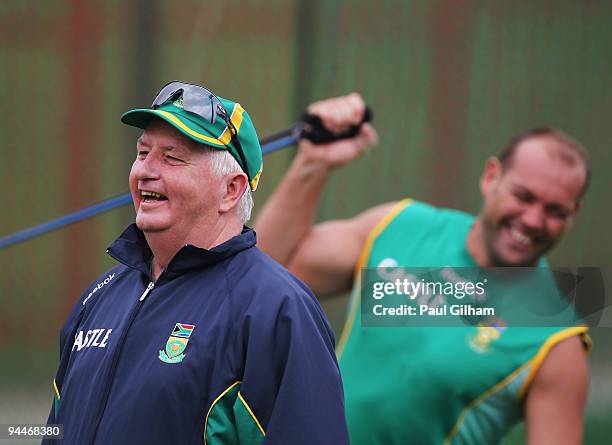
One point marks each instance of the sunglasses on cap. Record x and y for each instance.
(204, 103)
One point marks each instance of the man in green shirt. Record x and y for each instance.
(433, 385)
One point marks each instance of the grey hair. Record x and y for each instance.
(223, 163)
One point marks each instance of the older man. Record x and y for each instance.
(196, 337)
(442, 385)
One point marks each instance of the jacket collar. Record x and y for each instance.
(131, 249)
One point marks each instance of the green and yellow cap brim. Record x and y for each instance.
(216, 135)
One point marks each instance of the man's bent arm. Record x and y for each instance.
(328, 254)
(288, 215)
(284, 226)
(555, 402)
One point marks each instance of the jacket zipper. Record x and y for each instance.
(146, 291)
(113, 368)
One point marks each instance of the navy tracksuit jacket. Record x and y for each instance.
(226, 347)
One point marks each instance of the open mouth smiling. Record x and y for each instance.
(150, 197)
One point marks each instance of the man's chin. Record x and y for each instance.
(150, 226)
(512, 259)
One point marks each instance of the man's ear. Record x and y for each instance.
(578, 206)
(235, 187)
(490, 176)
(570, 221)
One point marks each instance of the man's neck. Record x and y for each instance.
(165, 245)
(475, 244)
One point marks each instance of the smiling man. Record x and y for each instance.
(196, 336)
(532, 192)
(441, 385)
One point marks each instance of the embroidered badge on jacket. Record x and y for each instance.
(176, 344)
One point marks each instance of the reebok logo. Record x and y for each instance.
(99, 286)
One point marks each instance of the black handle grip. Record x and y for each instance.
(314, 130)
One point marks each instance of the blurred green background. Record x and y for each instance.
(449, 82)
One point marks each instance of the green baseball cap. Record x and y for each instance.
(206, 124)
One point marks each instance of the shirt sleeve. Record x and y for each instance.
(291, 387)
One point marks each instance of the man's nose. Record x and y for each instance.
(533, 217)
(147, 168)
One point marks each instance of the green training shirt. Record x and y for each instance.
(434, 385)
